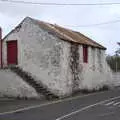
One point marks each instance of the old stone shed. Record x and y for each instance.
(61, 59)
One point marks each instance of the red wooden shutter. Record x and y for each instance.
(12, 52)
(0, 47)
(85, 54)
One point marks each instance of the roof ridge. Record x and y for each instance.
(69, 34)
(52, 26)
(76, 32)
(63, 33)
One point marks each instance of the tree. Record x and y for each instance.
(114, 60)
(118, 51)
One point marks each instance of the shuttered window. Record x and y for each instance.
(85, 53)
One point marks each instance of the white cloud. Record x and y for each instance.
(11, 14)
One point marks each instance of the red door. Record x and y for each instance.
(12, 52)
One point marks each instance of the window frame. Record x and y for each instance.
(85, 53)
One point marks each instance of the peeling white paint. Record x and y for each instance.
(47, 58)
(13, 86)
(96, 73)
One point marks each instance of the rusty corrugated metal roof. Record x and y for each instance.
(67, 34)
(63, 33)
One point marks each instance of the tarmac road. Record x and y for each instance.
(97, 106)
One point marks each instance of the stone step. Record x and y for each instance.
(30, 80)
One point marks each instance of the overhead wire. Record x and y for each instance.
(61, 4)
(97, 24)
(70, 4)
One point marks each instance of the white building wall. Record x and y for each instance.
(96, 73)
(12, 85)
(48, 58)
(43, 55)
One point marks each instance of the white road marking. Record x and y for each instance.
(116, 103)
(110, 103)
(48, 103)
(85, 108)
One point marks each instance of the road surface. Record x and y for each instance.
(97, 106)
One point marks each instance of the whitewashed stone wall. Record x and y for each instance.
(13, 86)
(57, 64)
(96, 73)
(43, 55)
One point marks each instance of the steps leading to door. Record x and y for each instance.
(30, 80)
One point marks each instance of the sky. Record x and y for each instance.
(79, 18)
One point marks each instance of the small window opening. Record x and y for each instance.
(85, 54)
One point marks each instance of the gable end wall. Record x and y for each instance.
(43, 55)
